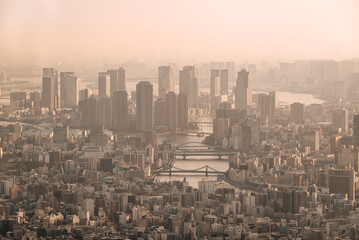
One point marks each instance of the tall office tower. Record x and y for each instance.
(188, 84)
(166, 80)
(117, 80)
(316, 112)
(120, 118)
(48, 93)
(342, 181)
(182, 111)
(83, 94)
(69, 86)
(340, 119)
(243, 91)
(121, 84)
(297, 113)
(356, 130)
(160, 112)
(105, 112)
(103, 84)
(50, 72)
(214, 87)
(266, 104)
(274, 96)
(35, 98)
(144, 106)
(90, 112)
(224, 81)
(171, 110)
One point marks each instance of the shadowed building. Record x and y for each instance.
(120, 118)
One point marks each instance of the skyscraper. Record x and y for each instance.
(144, 106)
(50, 72)
(224, 81)
(266, 108)
(120, 118)
(69, 87)
(243, 91)
(165, 80)
(117, 80)
(297, 113)
(356, 130)
(103, 84)
(90, 112)
(105, 112)
(215, 87)
(48, 93)
(182, 111)
(340, 119)
(171, 110)
(160, 112)
(188, 84)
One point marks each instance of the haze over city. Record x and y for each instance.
(184, 31)
(176, 120)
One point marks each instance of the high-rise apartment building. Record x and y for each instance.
(356, 130)
(48, 93)
(243, 91)
(340, 119)
(120, 118)
(117, 80)
(69, 88)
(224, 81)
(171, 110)
(104, 84)
(105, 112)
(160, 112)
(297, 113)
(144, 106)
(215, 90)
(90, 112)
(188, 84)
(50, 72)
(182, 111)
(166, 80)
(266, 108)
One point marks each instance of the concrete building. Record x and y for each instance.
(340, 120)
(243, 91)
(356, 130)
(48, 93)
(117, 80)
(104, 84)
(105, 112)
(297, 113)
(182, 111)
(171, 110)
(188, 84)
(144, 106)
(165, 80)
(120, 118)
(160, 113)
(70, 86)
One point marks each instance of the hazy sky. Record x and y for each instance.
(179, 30)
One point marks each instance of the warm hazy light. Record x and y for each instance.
(179, 30)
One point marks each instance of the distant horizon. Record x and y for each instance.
(42, 31)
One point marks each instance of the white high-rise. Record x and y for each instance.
(69, 88)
